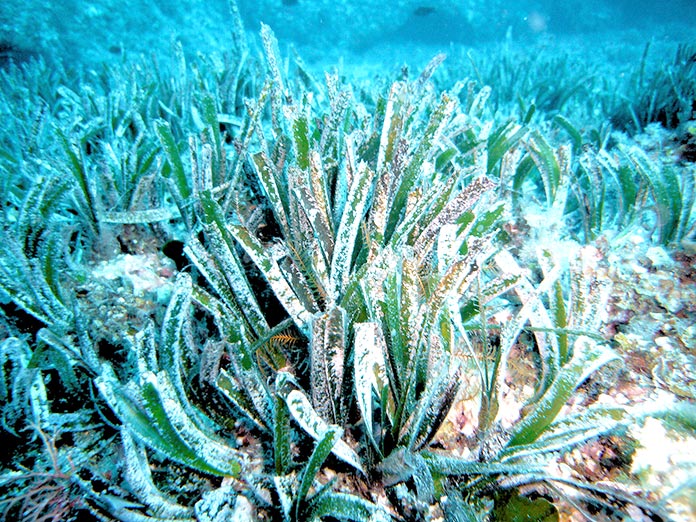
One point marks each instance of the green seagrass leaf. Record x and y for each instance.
(322, 449)
(500, 141)
(271, 271)
(309, 420)
(547, 163)
(665, 190)
(139, 477)
(282, 452)
(189, 440)
(300, 133)
(344, 506)
(239, 396)
(171, 151)
(275, 190)
(566, 433)
(130, 411)
(452, 466)
(587, 358)
(222, 266)
(369, 372)
(327, 359)
(175, 341)
(348, 228)
(425, 150)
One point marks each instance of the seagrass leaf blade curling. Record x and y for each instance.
(175, 336)
(158, 419)
(139, 477)
(268, 265)
(588, 357)
(665, 190)
(306, 416)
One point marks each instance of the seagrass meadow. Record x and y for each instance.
(350, 276)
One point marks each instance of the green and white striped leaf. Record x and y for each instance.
(171, 150)
(446, 465)
(271, 271)
(22, 390)
(427, 145)
(139, 477)
(548, 163)
(129, 409)
(200, 437)
(273, 189)
(282, 453)
(587, 358)
(161, 403)
(349, 226)
(252, 399)
(534, 312)
(152, 411)
(309, 420)
(458, 205)
(76, 168)
(343, 506)
(222, 266)
(666, 192)
(321, 451)
(432, 408)
(175, 341)
(370, 374)
(568, 432)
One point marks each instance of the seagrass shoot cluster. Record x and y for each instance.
(345, 286)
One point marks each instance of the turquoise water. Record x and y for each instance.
(100, 31)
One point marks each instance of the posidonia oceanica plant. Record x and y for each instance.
(350, 281)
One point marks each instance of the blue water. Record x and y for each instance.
(88, 33)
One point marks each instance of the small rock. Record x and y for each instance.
(223, 505)
(659, 257)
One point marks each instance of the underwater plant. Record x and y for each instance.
(664, 94)
(355, 286)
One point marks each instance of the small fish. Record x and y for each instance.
(11, 53)
(423, 11)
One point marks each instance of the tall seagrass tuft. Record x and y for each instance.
(378, 234)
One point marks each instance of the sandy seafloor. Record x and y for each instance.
(651, 318)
